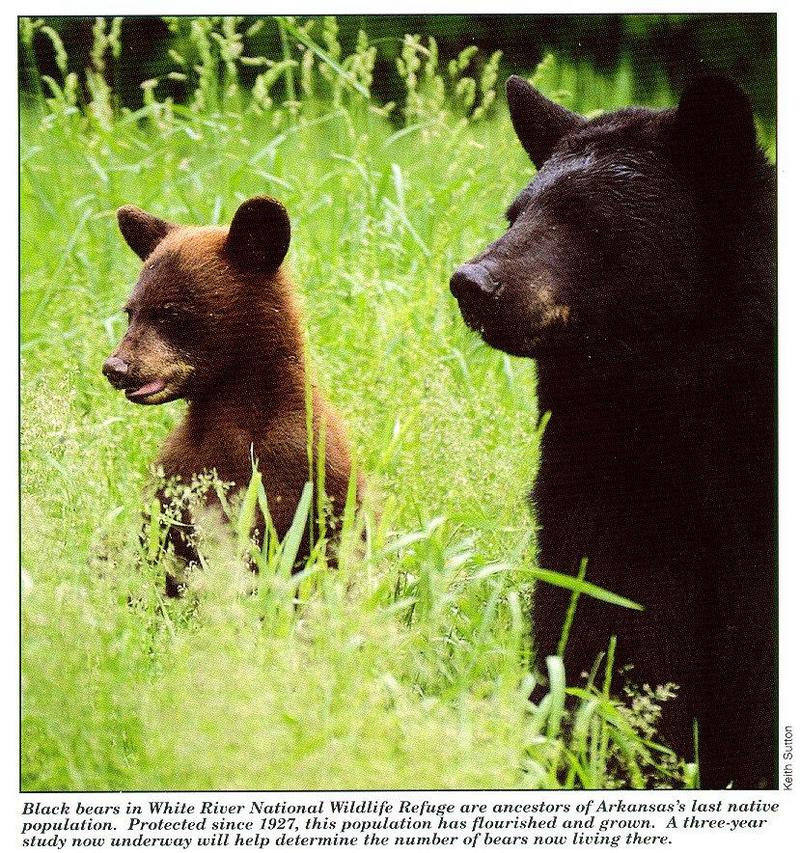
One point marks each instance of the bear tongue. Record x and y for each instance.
(149, 388)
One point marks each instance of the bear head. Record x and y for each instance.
(199, 300)
(607, 246)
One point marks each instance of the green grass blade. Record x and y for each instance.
(291, 543)
(247, 514)
(558, 681)
(573, 604)
(345, 75)
(583, 587)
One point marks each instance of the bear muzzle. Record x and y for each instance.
(122, 377)
(116, 371)
(474, 281)
(520, 318)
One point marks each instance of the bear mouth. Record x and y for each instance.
(146, 390)
(506, 338)
(510, 334)
(161, 389)
(153, 393)
(524, 346)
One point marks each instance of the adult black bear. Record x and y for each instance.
(639, 270)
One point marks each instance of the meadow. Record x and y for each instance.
(409, 663)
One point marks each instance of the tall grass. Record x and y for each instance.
(407, 666)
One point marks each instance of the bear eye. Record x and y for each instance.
(167, 313)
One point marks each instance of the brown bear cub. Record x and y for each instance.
(213, 319)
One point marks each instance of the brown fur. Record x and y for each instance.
(214, 319)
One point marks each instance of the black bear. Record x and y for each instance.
(639, 270)
(213, 319)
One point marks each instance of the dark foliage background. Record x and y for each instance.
(657, 46)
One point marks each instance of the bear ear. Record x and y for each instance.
(538, 122)
(142, 232)
(713, 129)
(259, 235)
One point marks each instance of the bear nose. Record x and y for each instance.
(473, 278)
(115, 370)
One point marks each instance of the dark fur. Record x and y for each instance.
(639, 270)
(213, 316)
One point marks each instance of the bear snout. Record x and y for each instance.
(116, 371)
(474, 281)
